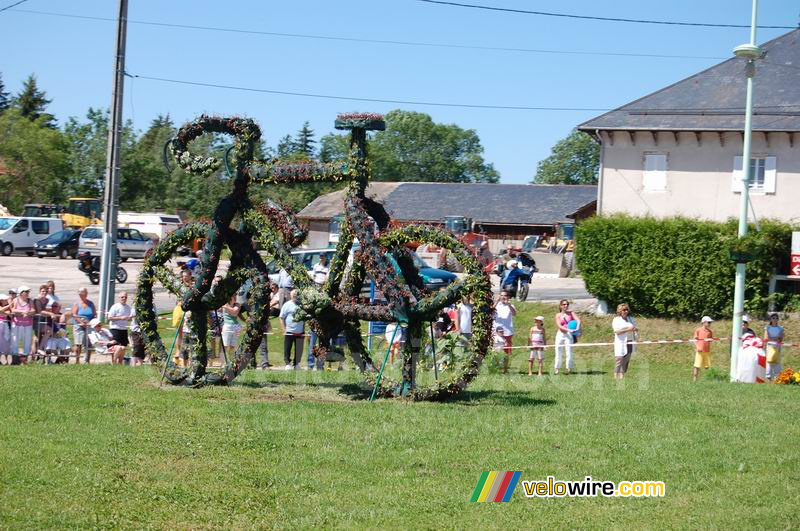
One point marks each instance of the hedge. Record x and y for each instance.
(677, 267)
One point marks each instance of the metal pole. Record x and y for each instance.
(108, 263)
(750, 53)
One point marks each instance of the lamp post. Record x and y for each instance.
(749, 52)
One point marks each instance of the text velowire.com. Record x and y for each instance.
(589, 488)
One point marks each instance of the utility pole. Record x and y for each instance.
(108, 263)
(750, 52)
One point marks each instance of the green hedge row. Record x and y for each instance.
(676, 267)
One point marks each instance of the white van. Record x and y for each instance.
(150, 223)
(20, 233)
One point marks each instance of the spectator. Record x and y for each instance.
(485, 256)
(119, 320)
(5, 326)
(564, 337)
(102, 340)
(702, 346)
(537, 339)
(746, 330)
(319, 274)
(188, 340)
(51, 293)
(285, 286)
(773, 337)
(231, 329)
(624, 336)
(82, 312)
(137, 342)
(504, 313)
(463, 324)
(292, 332)
(58, 344)
(22, 311)
(42, 320)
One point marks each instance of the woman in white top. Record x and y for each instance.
(624, 335)
(504, 313)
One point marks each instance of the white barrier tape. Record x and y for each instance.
(649, 342)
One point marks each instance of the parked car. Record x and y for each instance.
(62, 244)
(130, 242)
(21, 233)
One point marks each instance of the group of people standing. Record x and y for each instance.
(37, 328)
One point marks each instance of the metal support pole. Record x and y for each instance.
(108, 262)
(750, 52)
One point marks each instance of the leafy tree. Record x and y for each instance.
(574, 160)
(88, 142)
(145, 178)
(415, 148)
(304, 141)
(5, 103)
(32, 102)
(33, 160)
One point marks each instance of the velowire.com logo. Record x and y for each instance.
(494, 486)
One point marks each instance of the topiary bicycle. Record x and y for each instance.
(382, 254)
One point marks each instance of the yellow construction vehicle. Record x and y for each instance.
(82, 212)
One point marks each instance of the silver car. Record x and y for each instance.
(130, 242)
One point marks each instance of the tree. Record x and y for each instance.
(415, 148)
(574, 160)
(33, 160)
(304, 141)
(32, 102)
(5, 103)
(285, 147)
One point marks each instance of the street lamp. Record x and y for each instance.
(749, 52)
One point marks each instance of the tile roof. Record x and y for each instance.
(714, 99)
(500, 204)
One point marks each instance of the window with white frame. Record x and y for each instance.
(654, 174)
(763, 174)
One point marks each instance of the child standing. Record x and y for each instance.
(773, 336)
(702, 346)
(537, 338)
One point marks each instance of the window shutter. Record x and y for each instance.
(736, 182)
(654, 178)
(770, 174)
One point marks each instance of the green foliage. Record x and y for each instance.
(33, 160)
(675, 267)
(5, 103)
(32, 103)
(574, 160)
(415, 148)
(304, 141)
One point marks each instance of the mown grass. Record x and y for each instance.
(109, 447)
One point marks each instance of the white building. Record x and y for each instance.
(678, 151)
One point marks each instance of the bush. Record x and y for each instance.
(677, 267)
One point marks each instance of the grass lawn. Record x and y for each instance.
(108, 447)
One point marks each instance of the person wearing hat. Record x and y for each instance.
(22, 313)
(537, 338)
(103, 341)
(5, 325)
(702, 346)
(746, 330)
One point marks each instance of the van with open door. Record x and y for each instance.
(21, 233)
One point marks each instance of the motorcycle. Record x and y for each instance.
(91, 266)
(520, 285)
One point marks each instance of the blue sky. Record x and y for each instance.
(73, 59)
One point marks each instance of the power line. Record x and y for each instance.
(376, 41)
(372, 100)
(764, 108)
(604, 19)
(12, 5)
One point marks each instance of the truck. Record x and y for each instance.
(150, 223)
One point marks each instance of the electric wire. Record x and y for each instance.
(12, 5)
(603, 19)
(377, 41)
(763, 109)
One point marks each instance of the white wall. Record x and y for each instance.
(698, 176)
